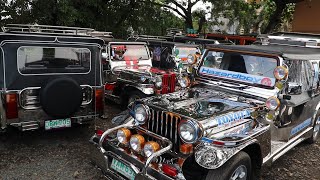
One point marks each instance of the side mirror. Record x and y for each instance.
(294, 88)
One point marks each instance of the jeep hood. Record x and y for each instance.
(201, 104)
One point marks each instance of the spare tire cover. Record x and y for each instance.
(61, 97)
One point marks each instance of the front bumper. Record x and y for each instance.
(102, 156)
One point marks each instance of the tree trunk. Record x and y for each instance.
(202, 20)
(275, 18)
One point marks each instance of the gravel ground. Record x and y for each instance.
(63, 154)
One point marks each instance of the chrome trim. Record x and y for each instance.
(34, 97)
(286, 147)
(130, 124)
(91, 89)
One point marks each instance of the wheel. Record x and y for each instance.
(316, 129)
(236, 168)
(132, 96)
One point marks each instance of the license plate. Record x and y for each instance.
(58, 123)
(123, 169)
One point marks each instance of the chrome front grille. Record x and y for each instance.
(166, 125)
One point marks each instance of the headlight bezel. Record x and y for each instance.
(191, 59)
(184, 79)
(270, 103)
(198, 132)
(146, 111)
(277, 74)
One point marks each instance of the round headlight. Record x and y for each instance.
(137, 142)
(123, 135)
(191, 59)
(150, 148)
(272, 103)
(184, 82)
(158, 82)
(280, 72)
(141, 113)
(189, 131)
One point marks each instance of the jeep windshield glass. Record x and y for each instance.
(249, 69)
(129, 52)
(183, 52)
(44, 60)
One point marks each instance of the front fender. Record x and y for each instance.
(146, 89)
(212, 157)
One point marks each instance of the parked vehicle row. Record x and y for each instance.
(221, 113)
(250, 105)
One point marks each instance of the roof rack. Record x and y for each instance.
(47, 29)
(101, 34)
(148, 37)
(290, 39)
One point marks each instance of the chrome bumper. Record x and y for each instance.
(104, 152)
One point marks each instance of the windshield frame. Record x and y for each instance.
(109, 50)
(181, 46)
(231, 81)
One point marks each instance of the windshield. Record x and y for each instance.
(129, 52)
(239, 67)
(183, 52)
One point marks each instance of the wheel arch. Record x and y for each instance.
(254, 151)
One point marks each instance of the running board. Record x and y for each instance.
(286, 147)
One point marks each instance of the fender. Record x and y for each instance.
(145, 89)
(209, 156)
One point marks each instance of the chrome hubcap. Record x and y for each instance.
(240, 173)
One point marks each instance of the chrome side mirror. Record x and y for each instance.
(294, 88)
(104, 55)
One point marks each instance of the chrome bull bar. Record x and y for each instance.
(130, 125)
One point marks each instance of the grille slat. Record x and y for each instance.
(165, 124)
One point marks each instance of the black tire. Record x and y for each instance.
(315, 132)
(61, 97)
(127, 98)
(225, 171)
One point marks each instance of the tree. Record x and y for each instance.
(281, 9)
(182, 8)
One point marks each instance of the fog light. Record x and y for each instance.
(150, 148)
(123, 135)
(137, 142)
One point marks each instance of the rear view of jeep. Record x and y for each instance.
(50, 77)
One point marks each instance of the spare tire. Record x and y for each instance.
(61, 97)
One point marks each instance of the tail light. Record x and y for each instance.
(169, 170)
(98, 97)
(99, 132)
(12, 105)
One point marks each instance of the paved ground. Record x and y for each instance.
(64, 154)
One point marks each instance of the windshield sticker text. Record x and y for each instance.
(237, 76)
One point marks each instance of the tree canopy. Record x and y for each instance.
(148, 16)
